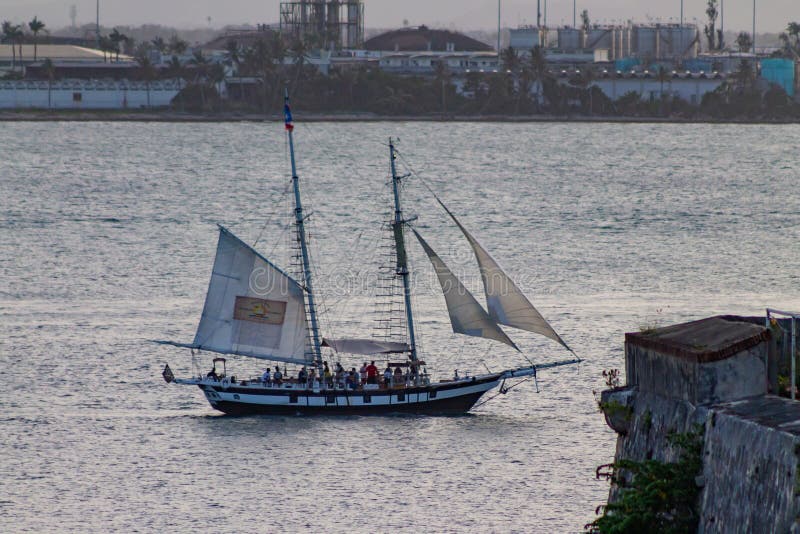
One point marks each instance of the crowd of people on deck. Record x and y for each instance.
(339, 377)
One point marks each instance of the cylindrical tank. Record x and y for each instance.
(644, 41)
(665, 41)
(570, 39)
(599, 38)
(524, 38)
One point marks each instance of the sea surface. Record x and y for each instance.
(107, 236)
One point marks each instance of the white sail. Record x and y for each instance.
(467, 316)
(252, 307)
(365, 346)
(506, 303)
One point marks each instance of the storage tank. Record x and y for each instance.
(665, 41)
(524, 38)
(602, 37)
(570, 39)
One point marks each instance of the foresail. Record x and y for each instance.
(467, 316)
(252, 307)
(506, 303)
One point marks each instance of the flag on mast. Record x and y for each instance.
(287, 114)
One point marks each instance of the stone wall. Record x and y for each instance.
(750, 480)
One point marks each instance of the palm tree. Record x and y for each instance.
(233, 53)
(201, 65)
(744, 41)
(277, 48)
(509, 59)
(177, 45)
(299, 54)
(107, 47)
(538, 70)
(710, 28)
(36, 26)
(9, 32)
(117, 39)
(585, 81)
(175, 70)
(147, 72)
(442, 78)
(50, 71)
(216, 72)
(159, 44)
(19, 36)
(793, 29)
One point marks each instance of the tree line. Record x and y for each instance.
(525, 84)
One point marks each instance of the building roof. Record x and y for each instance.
(706, 340)
(54, 52)
(425, 39)
(245, 39)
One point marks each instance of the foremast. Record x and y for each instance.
(401, 268)
(301, 235)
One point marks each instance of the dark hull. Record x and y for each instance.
(451, 406)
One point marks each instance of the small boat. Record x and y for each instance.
(255, 309)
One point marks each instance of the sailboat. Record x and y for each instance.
(255, 309)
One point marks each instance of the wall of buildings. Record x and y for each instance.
(85, 95)
(689, 87)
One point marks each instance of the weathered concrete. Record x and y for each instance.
(714, 373)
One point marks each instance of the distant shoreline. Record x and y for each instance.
(171, 116)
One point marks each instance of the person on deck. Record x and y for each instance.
(339, 375)
(398, 376)
(277, 377)
(213, 373)
(372, 374)
(302, 376)
(312, 376)
(387, 376)
(265, 378)
(353, 378)
(363, 372)
(326, 374)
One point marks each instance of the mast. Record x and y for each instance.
(402, 261)
(301, 233)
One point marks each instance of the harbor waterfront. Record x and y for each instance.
(608, 227)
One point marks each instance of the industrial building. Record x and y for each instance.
(689, 86)
(86, 94)
(653, 42)
(424, 39)
(22, 55)
(329, 24)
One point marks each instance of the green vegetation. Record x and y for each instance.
(614, 410)
(655, 496)
(524, 85)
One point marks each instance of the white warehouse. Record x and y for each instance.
(86, 94)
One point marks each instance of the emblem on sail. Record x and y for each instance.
(259, 310)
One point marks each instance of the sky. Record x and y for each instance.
(771, 15)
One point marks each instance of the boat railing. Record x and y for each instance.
(318, 385)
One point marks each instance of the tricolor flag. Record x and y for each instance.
(287, 114)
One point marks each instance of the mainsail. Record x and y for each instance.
(252, 307)
(467, 316)
(506, 303)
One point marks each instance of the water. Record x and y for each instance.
(107, 237)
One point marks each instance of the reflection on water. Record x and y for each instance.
(107, 236)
